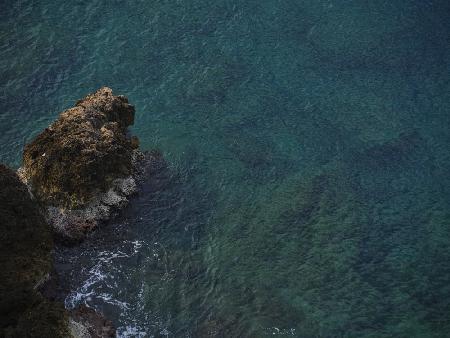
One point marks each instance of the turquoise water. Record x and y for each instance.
(308, 143)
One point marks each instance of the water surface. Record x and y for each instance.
(308, 191)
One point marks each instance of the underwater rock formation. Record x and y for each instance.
(83, 167)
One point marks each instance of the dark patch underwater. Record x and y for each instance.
(308, 189)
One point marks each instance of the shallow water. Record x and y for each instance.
(308, 192)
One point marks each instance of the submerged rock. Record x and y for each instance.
(394, 152)
(84, 166)
(352, 35)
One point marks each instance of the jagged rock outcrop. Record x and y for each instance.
(82, 152)
(78, 172)
(83, 167)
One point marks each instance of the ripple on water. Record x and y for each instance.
(285, 214)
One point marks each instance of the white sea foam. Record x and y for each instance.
(101, 284)
(131, 331)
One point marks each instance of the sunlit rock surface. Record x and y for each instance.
(82, 152)
(83, 167)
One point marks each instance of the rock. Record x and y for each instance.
(82, 152)
(83, 167)
(25, 260)
(86, 322)
(52, 289)
(78, 330)
(25, 242)
(78, 172)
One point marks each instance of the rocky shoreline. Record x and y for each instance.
(77, 174)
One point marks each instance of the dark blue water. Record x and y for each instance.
(309, 185)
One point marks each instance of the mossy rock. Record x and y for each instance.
(83, 152)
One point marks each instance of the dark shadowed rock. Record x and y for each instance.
(25, 260)
(25, 241)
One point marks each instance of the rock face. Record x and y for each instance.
(79, 171)
(25, 260)
(82, 152)
(86, 322)
(82, 168)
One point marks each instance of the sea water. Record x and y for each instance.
(308, 190)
